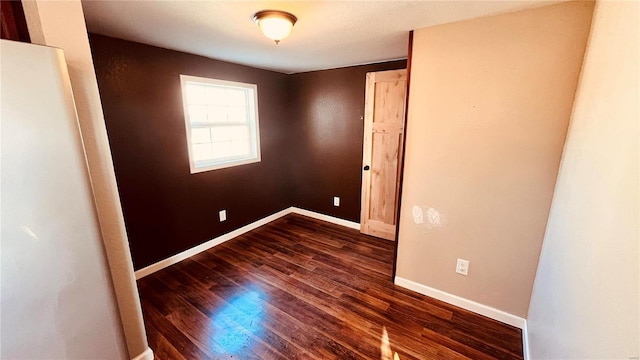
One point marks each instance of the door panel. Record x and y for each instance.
(384, 121)
(384, 173)
(389, 102)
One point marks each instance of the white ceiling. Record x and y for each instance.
(328, 34)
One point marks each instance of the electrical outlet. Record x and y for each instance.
(462, 267)
(336, 201)
(222, 214)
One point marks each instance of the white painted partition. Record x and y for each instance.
(586, 298)
(61, 24)
(57, 297)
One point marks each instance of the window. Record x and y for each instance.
(221, 119)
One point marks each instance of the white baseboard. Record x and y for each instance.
(327, 218)
(207, 245)
(230, 235)
(146, 355)
(466, 304)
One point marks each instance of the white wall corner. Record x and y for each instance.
(466, 304)
(145, 355)
(525, 341)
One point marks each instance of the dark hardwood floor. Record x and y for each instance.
(298, 288)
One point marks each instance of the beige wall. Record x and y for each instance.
(489, 107)
(61, 24)
(585, 301)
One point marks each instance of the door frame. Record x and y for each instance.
(402, 157)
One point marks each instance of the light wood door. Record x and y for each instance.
(383, 135)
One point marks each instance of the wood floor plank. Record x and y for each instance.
(280, 298)
(181, 343)
(163, 349)
(301, 288)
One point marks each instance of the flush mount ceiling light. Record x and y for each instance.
(275, 24)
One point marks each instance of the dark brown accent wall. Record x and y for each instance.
(168, 210)
(328, 128)
(13, 23)
(311, 133)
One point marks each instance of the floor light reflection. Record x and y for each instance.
(385, 347)
(236, 321)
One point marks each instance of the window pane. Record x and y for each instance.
(195, 94)
(228, 133)
(238, 114)
(230, 149)
(239, 133)
(215, 95)
(221, 121)
(221, 150)
(221, 134)
(217, 114)
(237, 97)
(239, 148)
(197, 113)
(202, 152)
(201, 135)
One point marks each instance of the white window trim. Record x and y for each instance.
(255, 128)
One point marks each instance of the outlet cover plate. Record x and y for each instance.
(462, 267)
(336, 201)
(222, 214)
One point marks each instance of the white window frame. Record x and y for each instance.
(252, 112)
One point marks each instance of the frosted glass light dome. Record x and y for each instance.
(274, 24)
